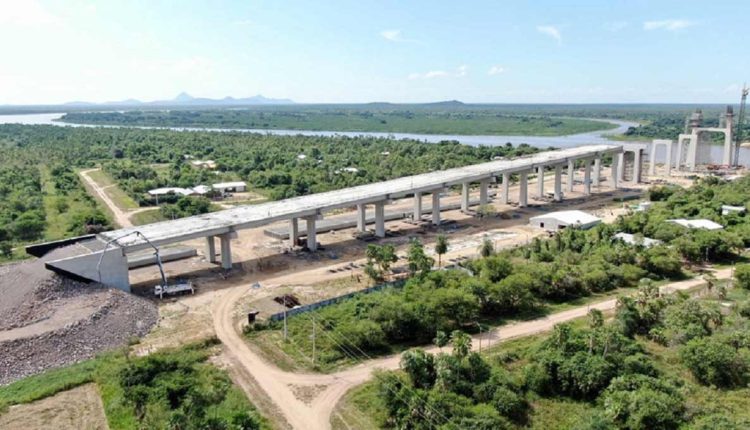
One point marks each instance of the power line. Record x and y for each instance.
(353, 355)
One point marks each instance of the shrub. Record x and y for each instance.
(714, 361)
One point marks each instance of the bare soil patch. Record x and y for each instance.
(77, 409)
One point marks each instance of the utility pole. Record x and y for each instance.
(313, 339)
(286, 333)
(739, 124)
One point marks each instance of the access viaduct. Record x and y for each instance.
(107, 262)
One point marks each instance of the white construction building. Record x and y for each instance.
(555, 221)
(632, 239)
(230, 187)
(706, 224)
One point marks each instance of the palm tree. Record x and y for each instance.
(441, 247)
(461, 344)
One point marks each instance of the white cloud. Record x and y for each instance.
(460, 72)
(391, 35)
(616, 26)
(668, 24)
(551, 31)
(496, 70)
(26, 13)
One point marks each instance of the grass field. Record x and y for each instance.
(147, 217)
(121, 199)
(105, 371)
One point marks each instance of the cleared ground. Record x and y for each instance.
(77, 409)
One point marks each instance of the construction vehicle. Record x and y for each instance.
(164, 287)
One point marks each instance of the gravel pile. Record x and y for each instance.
(30, 294)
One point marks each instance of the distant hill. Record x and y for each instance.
(185, 99)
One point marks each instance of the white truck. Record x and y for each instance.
(178, 288)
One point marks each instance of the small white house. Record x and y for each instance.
(230, 187)
(697, 223)
(631, 239)
(171, 190)
(555, 221)
(204, 164)
(726, 209)
(202, 189)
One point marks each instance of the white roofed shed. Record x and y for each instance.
(555, 221)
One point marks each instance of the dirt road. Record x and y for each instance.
(313, 411)
(121, 217)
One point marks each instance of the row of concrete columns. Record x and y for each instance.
(225, 249)
(310, 221)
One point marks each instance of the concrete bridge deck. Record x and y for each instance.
(112, 269)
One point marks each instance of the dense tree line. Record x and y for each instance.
(604, 364)
(447, 119)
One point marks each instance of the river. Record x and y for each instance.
(573, 140)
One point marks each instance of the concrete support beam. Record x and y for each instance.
(312, 240)
(465, 196)
(417, 215)
(727, 154)
(571, 175)
(586, 177)
(436, 208)
(558, 183)
(484, 192)
(540, 182)
(226, 251)
(380, 219)
(506, 188)
(637, 167)
(523, 193)
(596, 174)
(112, 272)
(210, 249)
(361, 218)
(620, 167)
(293, 232)
(615, 171)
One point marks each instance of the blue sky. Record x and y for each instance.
(361, 51)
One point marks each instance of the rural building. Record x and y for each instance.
(230, 187)
(632, 239)
(726, 209)
(697, 223)
(171, 190)
(204, 164)
(555, 221)
(202, 190)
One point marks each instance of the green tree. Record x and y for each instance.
(419, 263)
(461, 344)
(486, 248)
(742, 276)
(441, 247)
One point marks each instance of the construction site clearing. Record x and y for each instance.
(47, 313)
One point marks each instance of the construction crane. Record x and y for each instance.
(740, 121)
(163, 287)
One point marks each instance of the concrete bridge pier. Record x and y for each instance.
(586, 177)
(620, 166)
(571, 175)
(540, 182)
(597, 171)
(615, 171)
(361, 218)
(436, 207)
(484, 192)
(417, 215)
(506, 187)
(380, 219)
(558, 183)
(312, 240)
(293, 232)
(523, 193)
(465, 197)
(210, 249)
(226, 250)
